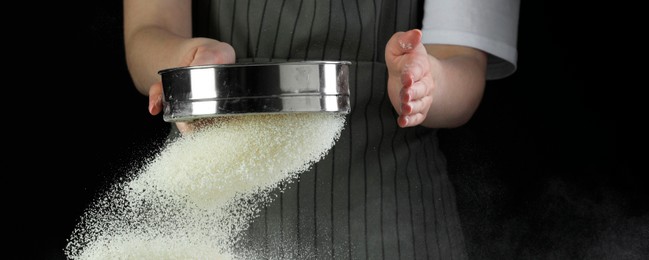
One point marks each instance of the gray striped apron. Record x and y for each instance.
(382, 192)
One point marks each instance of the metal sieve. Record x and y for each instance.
(195, 92)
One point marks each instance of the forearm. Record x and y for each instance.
(155, 33)
(149, 50)
(459, 86)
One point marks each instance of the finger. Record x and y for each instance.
(155, 98)
(419, 106)
(184, 127)
(222, 53)
(410, 120)
(415, 91)
(413, 71)
(407, 78)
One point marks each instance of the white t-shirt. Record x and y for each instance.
(488, 25)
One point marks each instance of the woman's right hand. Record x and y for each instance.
(200, 51)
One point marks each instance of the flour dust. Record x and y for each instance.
(193, 198)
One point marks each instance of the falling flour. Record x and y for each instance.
(193, 199)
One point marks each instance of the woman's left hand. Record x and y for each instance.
(410, 79)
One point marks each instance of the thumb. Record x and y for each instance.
(216, 53)
(403, 42)
(155, 98)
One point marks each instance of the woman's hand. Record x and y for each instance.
(410, 78)
(202, 52)
(433, 85)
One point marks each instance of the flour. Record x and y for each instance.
(192, 199)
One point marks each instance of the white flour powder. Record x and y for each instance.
(193, 198)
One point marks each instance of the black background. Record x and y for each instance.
(543, 170)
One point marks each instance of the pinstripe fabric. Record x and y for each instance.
(382, 192)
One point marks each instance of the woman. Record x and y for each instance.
(383, 191)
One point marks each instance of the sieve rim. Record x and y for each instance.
(200, 91)
(254, 64)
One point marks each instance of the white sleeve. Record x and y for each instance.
(488, 25)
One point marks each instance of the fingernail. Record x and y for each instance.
(403, 121)
(405, 109)
(405, 98)
(407, 79)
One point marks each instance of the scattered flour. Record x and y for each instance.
(405, 45)
(192, 199)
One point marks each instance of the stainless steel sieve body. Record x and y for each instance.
(255, 88)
